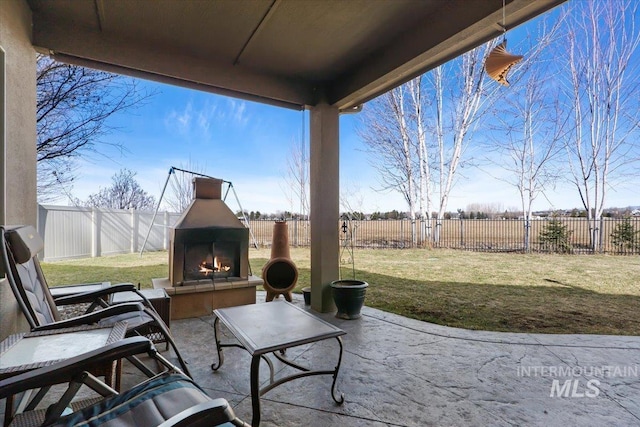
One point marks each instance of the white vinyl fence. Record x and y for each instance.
(77, 232)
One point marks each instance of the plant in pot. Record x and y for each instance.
(348, 294)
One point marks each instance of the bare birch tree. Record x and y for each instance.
(385, 133)
(388, 130)
(531, 144)
(425, 194)
(601, 61)
(530, 125)
(297, 179)
(417, 133)
(460, 103)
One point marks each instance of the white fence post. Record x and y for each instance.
(135, 222)
(96, 218)
(42, 222)
(165, 231)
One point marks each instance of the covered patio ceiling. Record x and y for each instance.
(328, 56)
(291, 53)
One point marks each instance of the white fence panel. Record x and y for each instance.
(115, 232)
(77, 232)
(67, 231)
(157, 239)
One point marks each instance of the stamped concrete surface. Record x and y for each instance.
(403, 372)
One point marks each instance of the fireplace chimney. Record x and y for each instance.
(207, 188)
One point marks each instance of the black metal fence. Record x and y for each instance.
(567, 235)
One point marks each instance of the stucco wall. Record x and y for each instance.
(17, 137)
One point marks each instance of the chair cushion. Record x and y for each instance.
(147, 404)
(34, 291)
(25, 243)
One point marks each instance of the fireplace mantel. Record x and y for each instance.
(201, 299)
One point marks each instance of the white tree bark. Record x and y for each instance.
(414, 88)
(457, 110)
(297, 179)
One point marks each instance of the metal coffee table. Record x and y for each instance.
(274, 327)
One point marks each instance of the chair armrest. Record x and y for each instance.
(214, 413)
(72, 289)
(94, 316)
(64, 371)
(93, 295)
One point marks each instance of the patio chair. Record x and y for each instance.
(19, 247)
(169, 398)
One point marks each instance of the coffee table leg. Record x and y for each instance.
(255, 389)
(215, 366)
(340, 400)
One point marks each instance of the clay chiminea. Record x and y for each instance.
(280, 274)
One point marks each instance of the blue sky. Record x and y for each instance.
(243, 142)
(247, 143)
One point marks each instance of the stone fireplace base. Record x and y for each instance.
(201, 299)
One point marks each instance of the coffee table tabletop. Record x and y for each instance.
(267, 327)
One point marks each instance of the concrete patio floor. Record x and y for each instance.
(402, 372)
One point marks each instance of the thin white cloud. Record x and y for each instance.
(206, 117)
(197, 120)
(180, 121)
(235, 112)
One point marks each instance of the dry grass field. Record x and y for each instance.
(549, 293)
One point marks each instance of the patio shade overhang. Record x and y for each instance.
(283, 52)
(329, 56)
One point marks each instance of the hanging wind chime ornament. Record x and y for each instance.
(499, 61)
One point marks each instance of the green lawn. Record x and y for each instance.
(597, 294)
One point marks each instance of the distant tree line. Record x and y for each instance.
(460, 214)
(255, 215)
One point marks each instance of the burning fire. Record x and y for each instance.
(207, 268)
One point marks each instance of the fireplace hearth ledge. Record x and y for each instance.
(195, 300)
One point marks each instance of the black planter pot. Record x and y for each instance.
(349, 297)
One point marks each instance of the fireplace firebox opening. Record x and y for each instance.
(217, 260)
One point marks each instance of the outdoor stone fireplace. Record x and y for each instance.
(208, 256)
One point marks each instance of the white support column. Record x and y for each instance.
(325, 204)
